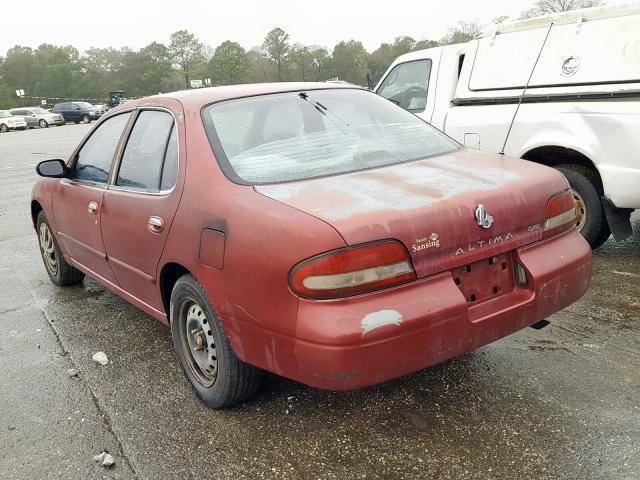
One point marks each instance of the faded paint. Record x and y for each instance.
(416, 185)
(379, 319)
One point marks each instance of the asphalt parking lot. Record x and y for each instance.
(562, 402)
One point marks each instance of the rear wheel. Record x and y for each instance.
(218, 376)
(59, 271)
(43, 123)
(4, 128)
(591, 220)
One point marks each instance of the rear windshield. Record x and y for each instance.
(299, 135)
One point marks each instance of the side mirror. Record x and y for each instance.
(52, 168)
(369, 83)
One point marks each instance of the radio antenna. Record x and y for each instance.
(524, 90)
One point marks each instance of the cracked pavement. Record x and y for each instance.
(562, 402)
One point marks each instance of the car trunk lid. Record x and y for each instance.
(433, 206)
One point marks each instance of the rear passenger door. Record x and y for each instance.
(75, 113)
(140, 203)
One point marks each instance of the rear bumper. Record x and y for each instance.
(359, 341)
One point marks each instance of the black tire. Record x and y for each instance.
(4, 128)
(59, 271)
(232, 380)
(86, 119)
(76, 122)
(43, 123)
(584, 182)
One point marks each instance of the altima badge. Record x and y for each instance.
(482, 217)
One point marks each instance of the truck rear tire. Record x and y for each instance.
(592, 222)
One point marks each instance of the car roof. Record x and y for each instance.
(199, 97)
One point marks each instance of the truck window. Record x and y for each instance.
(460, 63)
(407, 85)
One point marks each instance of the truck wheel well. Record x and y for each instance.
(169, 275)
(36, 208)
(553, 156)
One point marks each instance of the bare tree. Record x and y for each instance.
(462, 33)
(545, 7)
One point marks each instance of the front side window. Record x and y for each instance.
(95, 156)
(407, 85)
(150, 147)
(299, 135)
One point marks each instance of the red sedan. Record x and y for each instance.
(316, 231)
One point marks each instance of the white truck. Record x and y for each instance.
(562, 90)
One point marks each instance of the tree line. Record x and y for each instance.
(62, 72)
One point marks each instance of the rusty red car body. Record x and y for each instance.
(241, 243)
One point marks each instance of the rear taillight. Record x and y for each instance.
(560, 215)
(352, 270)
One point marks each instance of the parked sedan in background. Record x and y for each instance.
(38, 117)
(75, 111)
(313, 230)
(9, 122)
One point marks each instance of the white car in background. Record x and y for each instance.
(562, 90)
(10, 122)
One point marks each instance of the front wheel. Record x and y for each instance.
(219, 378)
(43, 123)
(591, 220)
(86, 119)
(59, 271)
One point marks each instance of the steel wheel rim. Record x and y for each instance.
(43, 123)
(581, 211)
(48, 249)
(3, 128)
(85, 119)
(198, 343)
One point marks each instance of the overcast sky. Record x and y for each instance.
(118, 23)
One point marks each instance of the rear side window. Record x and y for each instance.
(407, 85)
(151, 147)
(95, 156)
(170, 168)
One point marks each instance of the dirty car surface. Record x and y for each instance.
(315, 231)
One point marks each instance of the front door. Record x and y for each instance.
(77, 202)
(138, 208)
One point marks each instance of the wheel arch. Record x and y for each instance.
(169, 275)
(36, 208)
(554, 155)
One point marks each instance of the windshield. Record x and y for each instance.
(85, 105)
(39, 110)
(4, 114)
(299, 135)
